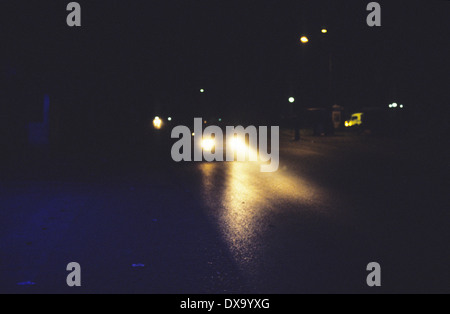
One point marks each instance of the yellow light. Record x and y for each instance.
(247, 195)
(157, 123)
(243, 151)
(238, 145)
(304, 39)
(208, 144)
(202, 90)
(346, 123)
(324, 31)
(193, 134)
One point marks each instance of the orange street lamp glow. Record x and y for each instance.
(324, 31)
(304, 39)
(157, 123)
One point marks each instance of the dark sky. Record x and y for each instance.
(158, 54)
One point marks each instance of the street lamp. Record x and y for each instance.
(304, 39)
(202, 90)
(324, 31)
(291, 99)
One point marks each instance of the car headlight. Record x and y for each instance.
(208, 144)
(238, 145)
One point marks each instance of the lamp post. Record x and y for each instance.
(330, 73)
(294, 104)
(296, 120)
(304, 39)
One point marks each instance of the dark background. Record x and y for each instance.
(132, 60)
(106, 193)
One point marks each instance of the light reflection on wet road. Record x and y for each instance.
(243, 201)
(315, 224)
(312, 226)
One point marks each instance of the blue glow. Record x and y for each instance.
(138, 265)
(26, 283)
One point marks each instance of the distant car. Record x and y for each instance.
(239, 145)
(355, 120)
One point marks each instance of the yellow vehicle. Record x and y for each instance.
(355, 120)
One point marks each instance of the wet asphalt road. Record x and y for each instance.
(335, 205)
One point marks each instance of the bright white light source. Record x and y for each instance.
(169, 118)
(202, 90)
(291, 99)
(238, 145)
(208, 144)
(401, 106)
(394, 105)
(157, 122)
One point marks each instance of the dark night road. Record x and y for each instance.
(103, 102)
(335, 205)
